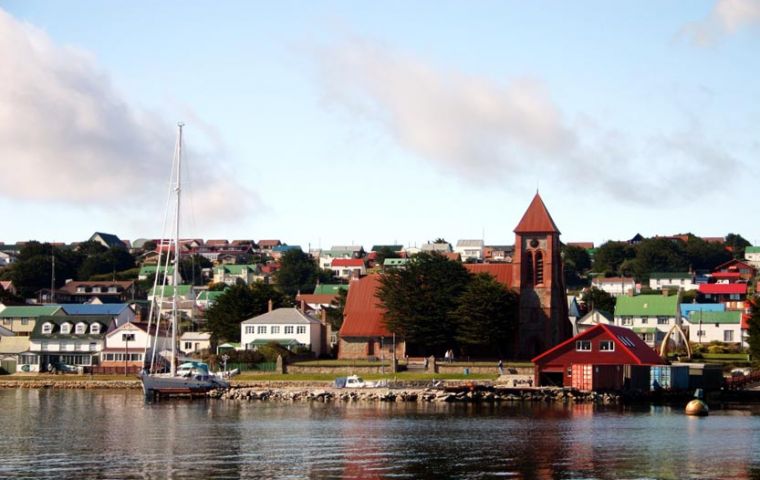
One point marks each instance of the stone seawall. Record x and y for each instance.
(72, 384)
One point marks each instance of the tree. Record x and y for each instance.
(577, 263)
(736, 243)
(104, 261)
(191, 267)
(609, 256)
(487, 315)
(754, 330)
(298, 272)
(337, 306)
(238, 303)
(420, 300)
(596, 298)
(659, 255)
(704, 255)
(384, 252)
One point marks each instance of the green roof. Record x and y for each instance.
(329, 289)
(729, 317)
(393, 248)
(679, 275)
(644, 329)
(646, 305)
(58, 320)
(150, 269)
(286, 342)
(236, 269)
(395, 262)
(210, 295)
(752, 250)
(28, 312)
(182, 290)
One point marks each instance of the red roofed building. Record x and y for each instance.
(502, 272)
(723, 292)
(348, 267)
(364, 334)
(600, 345)
(746, 271)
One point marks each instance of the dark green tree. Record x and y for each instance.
(298, 272)
(486, 316)
(103, 262)
(420, 300)
(595, 298)
(384, 252)
(737, 244)
(660, 255)
(335, 311)
(754, 330)
(609, 256)
(577, 262)
(238, 303)
(704, 255)
(191, 266)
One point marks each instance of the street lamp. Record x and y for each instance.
(225, 357)
(126, 338)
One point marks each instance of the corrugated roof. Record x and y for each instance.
(648, 305)
(723, 288)
(731, 317)
(536, 219)
(502, 272)
(394, 248)
(363, 316)
(752, 250)
(281, 316)
(72, 287)
(469, 243)
(29, 311)
(94, 309)
(322, 299)
(329, 288)
(669, 275)
(347, 262)
(687, 308)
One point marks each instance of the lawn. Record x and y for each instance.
(326, 377)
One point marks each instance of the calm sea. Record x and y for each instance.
(115, 434)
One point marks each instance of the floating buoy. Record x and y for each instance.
(697, 406)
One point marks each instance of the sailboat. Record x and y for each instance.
(191, 377)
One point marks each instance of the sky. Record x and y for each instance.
(337, 123)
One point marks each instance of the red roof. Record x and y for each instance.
(723, 288)
(733, 265)
(502, 272)
(363, 316)
(536, 219)
(726, 275)
(322, 298)
(347, 262)
(640, 353)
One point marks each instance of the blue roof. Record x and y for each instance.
(94, 309)
(686, 308)
(285, 248)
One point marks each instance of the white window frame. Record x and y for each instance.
(66, 328)
(275, 329)
(47, 328)
(583, 345)
(606, 346)
(627, 321)
(261, 330)
(728, 336)
(663, 320)
(95, 329)
(81, 328)
(288, 330)
(300, 329)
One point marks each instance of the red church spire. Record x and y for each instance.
(536, 219)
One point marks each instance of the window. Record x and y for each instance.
(663, 320)
(644, 320)
(81, 328)
(95, 328)
(24, 321)
(649, 337)
(583, 345)
(301, 329)
(47, 328)
(539, 268)
(627, 321)
(700, 333)
(529, 268)
(261, 329)
(728, 335)
(288, 329)
(626, 341)
(7, 321)
(249, 329)
(66, 328)
(606, 346)
(81, 290)
(275, 329)
(188, 345)
(93, 346)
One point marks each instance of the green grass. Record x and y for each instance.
(326, 377)
(734, 357)
(340, 363)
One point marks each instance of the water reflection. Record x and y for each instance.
(113, 434)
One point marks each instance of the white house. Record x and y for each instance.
(287, 326)
(650, 316)
(469, 249)
(194, 342)
(70, 340)
(593, 318)
(326, 257)
(726, 327)
(125, 344)
(436, 247)
(752, 256)
(230, 274)
(348, 267)
(616, 286)
(678, 280)
(6, 258)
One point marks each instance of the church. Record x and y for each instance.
(535, 272)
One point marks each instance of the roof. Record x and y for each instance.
(669, 275)
(436, 247)
(469, 243)
(751, 250)
(268, 243)
(281, 316)
(593, 317)
(236, 269)
(393, 248)
(687, 308)
(723, 288)
(640, 352)
(94, 309)
(210, 295)
(195, 336)
(502, 272)
(104, 321)
(322, 299)
(168, 290)
(347, 262)
(28, 311)
(363, 315)
(612, 280)
(649, 305)
(395, 262)
(140, 325)
(72, 287)
(536, 218)
(731, 263)
(110, 239)
(286, 248)
(730, 317)
(331, 288)
(583, 245)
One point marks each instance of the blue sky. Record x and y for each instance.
(324, 123)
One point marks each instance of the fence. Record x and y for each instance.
(254, 367)
(99, 370)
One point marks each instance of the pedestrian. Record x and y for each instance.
(501, 367)
(446, 356)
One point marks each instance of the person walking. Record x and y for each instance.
(501, 367)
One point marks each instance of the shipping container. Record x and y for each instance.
(636, 377)
(707, 376)
(669, 377)
(597, 377)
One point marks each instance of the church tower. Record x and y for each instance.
(537, 274)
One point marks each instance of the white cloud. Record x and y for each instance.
(726, 18)
(68, 136)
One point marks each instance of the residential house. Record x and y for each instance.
(108, 240)
(66, 339)
(326, 257)
(751, 256)
(126, 344)
(11, 347)
(329, 288)
(348, 267)
(230, 274)
(747, 271)
(288, 327)
(470, 249)
(390, 263)
(106, 292)
(7, 286)
(356, 251)
(7, 258)
(206, 298)
(149, 271)
(723, 292)
(392, 248)
(617, 286)
(601, 345)
(363, 334)
(437, 247)
(268, 245)
(593, 318)
(675, 280)
(22, 319)
(498, 253)
(120, 312)
(650, 316)
(710, 326)
(194, 342)
(278, 251)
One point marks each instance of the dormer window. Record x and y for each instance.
(81, 289)
(47, 328)
(81, 328)
(66, 328)
(95, 328)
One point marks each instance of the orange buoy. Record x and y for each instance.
(697, 407)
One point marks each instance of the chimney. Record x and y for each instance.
(303, 306)
(269, 305)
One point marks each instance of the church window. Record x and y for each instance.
(529, 268)
(539, 268)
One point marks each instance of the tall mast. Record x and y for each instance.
(175, 273)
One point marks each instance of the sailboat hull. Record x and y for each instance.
(167, 385)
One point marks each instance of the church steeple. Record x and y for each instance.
(536, 219)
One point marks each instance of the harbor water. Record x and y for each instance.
(47, 433)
